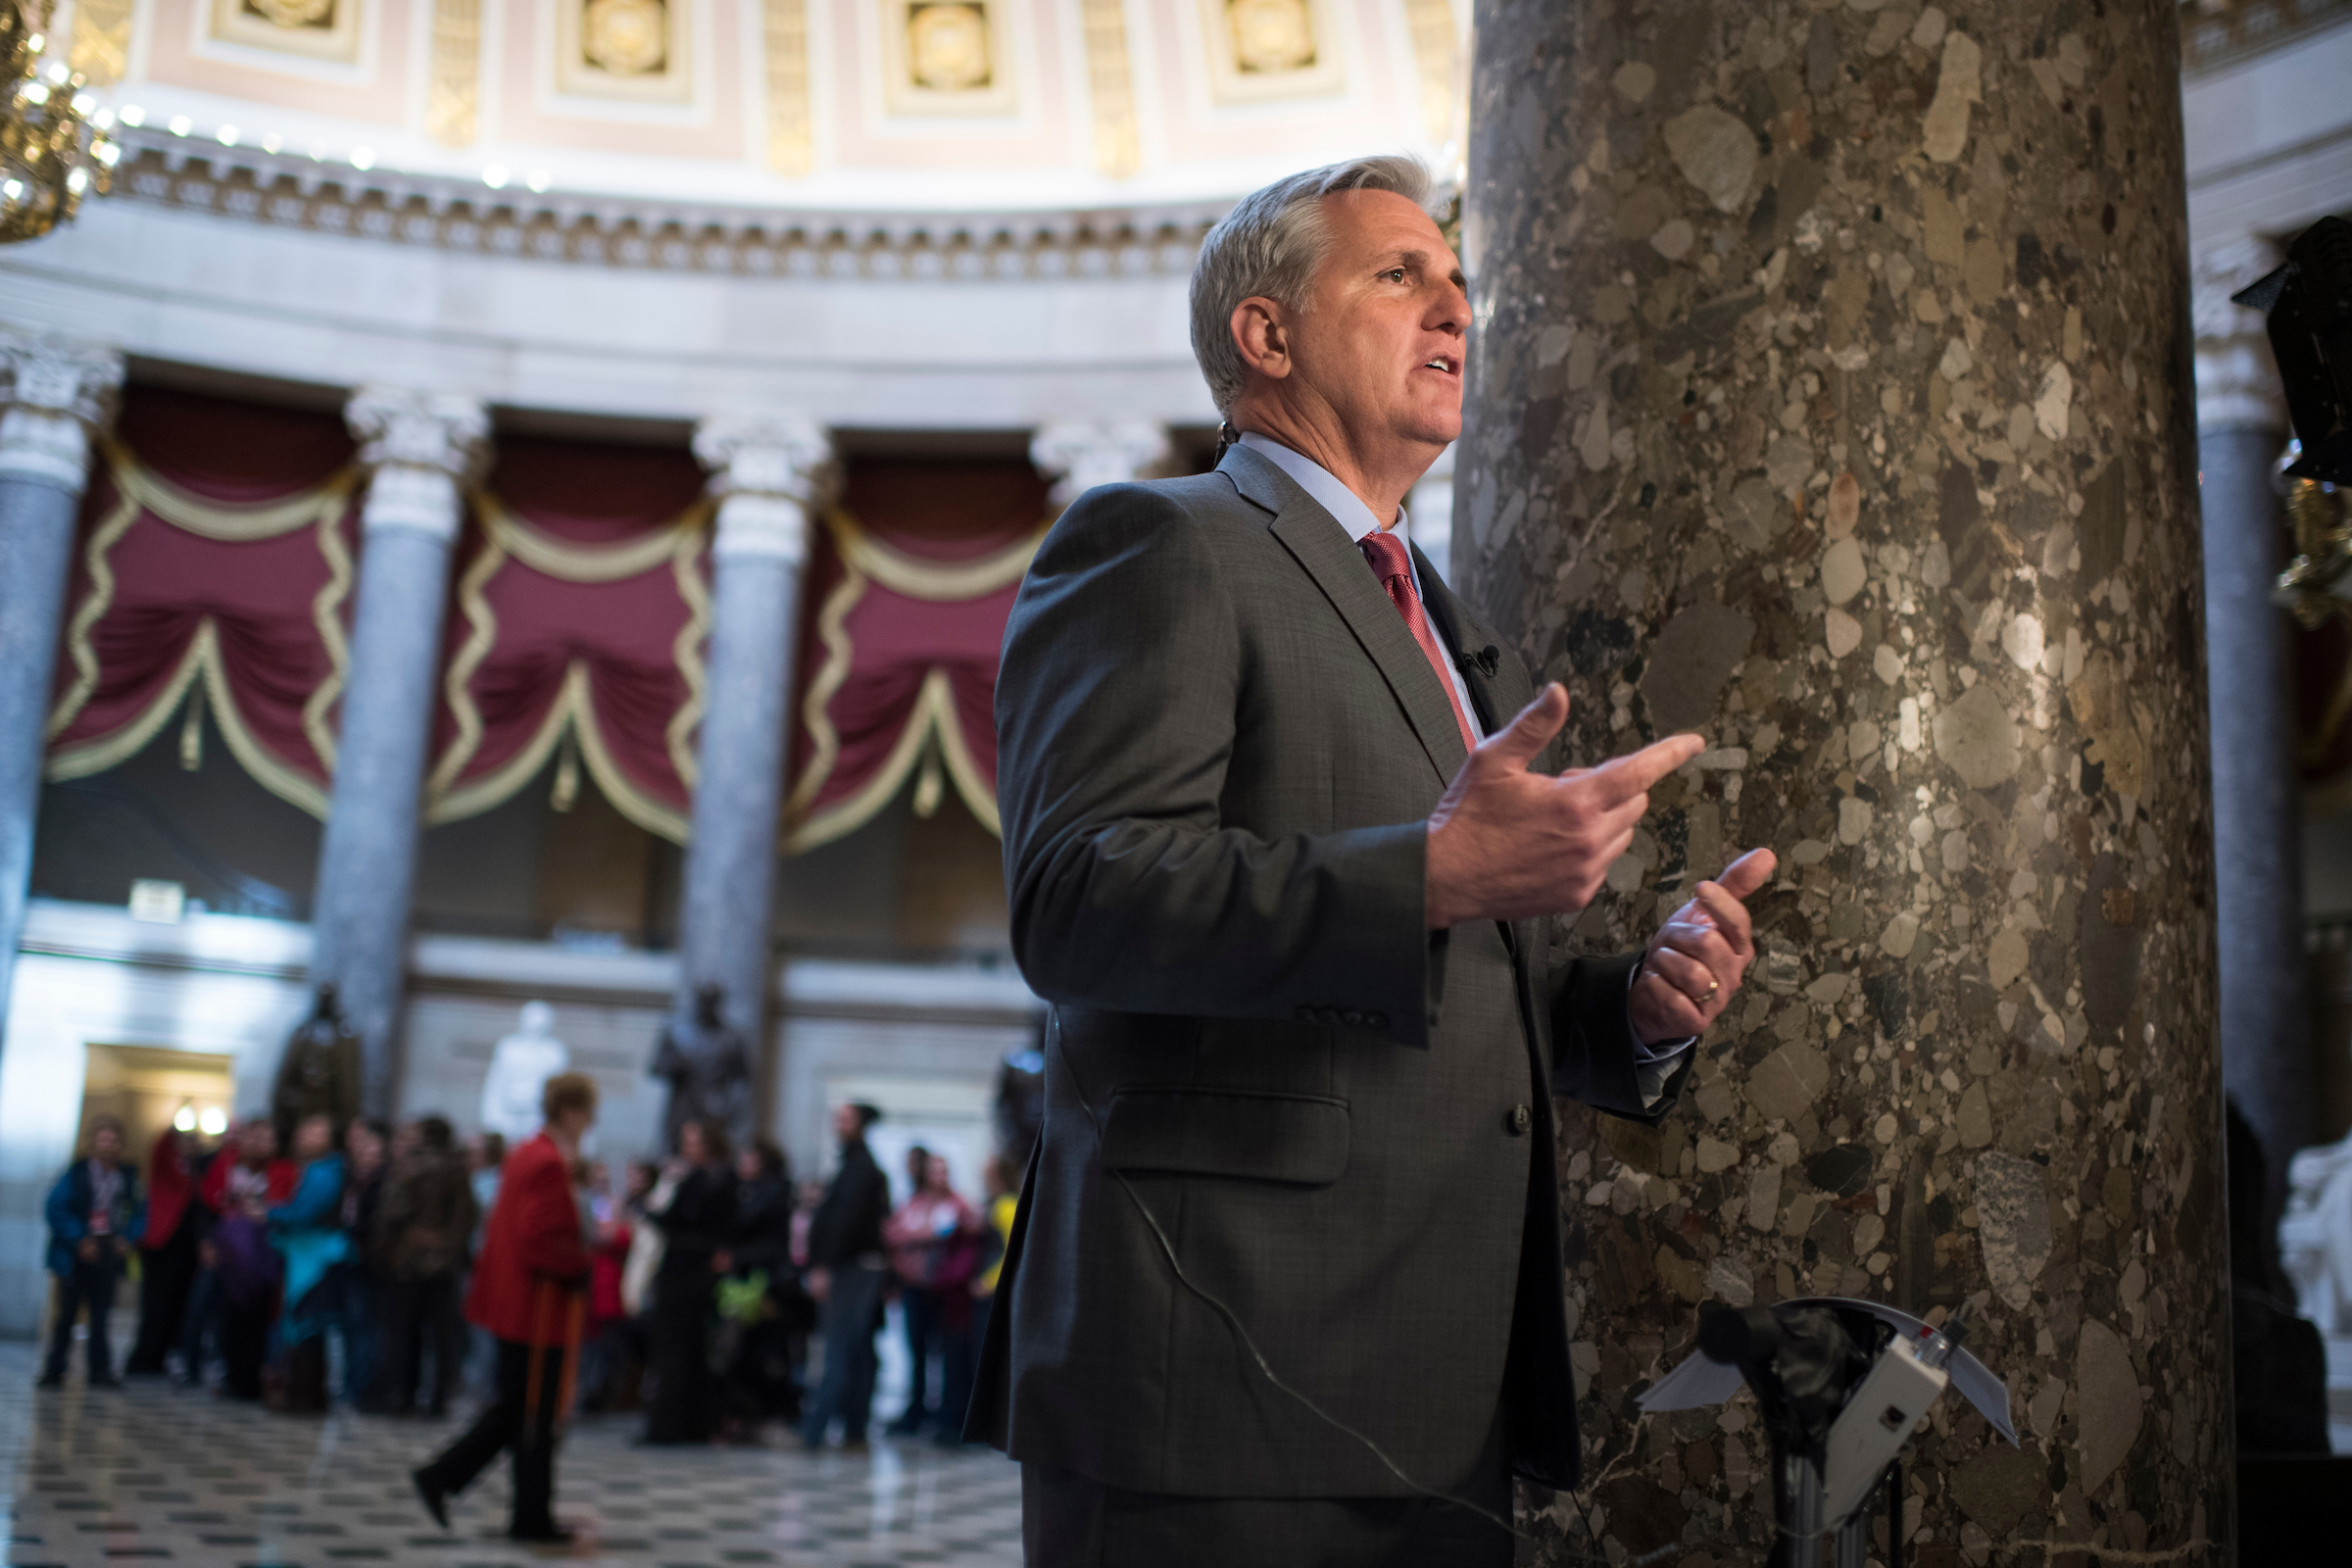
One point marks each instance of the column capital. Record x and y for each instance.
(56, 392)
(421, 447)
(769, 470)
(2237, 380)
(1081, 454)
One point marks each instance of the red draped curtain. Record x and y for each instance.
(214, 566)
(218, 554)
(581, 608)
(910, 584)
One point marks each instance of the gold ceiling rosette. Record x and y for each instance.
(626, 37)
(946, 47)
(316, 30)
(637, 50)
(1270, 49)
(947, 57)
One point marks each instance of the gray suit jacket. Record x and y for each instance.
(1218, 744)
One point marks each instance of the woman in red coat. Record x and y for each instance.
(532, 1269)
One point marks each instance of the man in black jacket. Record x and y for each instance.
(847, 1266)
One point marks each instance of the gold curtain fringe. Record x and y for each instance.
(932, 717)
(833, 632)
(935, 581)
(87, 613)
(560, 559)
(327, 613)
(687, 651)
(202, 660)
(222, 521)
(572, 715)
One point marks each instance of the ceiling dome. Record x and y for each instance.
(931, 106)
(888, 214)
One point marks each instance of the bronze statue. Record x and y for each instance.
(319, 1074)
(707, 1065)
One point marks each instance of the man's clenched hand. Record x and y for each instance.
(1695, 961)
(1505, 844)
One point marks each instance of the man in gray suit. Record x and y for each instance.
(1286, 1286)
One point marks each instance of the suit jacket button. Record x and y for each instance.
(1519, 1121)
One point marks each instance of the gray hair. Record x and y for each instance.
(1270, 244)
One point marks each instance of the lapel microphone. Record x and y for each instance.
(1487, 661)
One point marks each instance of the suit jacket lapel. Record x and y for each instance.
(1321, 546)
(1500, 692)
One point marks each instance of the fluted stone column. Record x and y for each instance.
(1832, 396)
(56, 393)
(1081, 454)
(420, 448)
(2257, 810)
(769, 471)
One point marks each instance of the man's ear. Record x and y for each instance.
(1263, 336)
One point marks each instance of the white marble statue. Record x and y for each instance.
(520, 1065)
(2315, 1238)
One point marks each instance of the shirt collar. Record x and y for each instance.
(1318, 482)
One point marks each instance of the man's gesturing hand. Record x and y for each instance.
(1695, 961)
(1506, 844)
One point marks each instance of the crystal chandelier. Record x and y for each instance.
(53, 132)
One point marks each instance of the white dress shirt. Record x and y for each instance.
(1348, 508)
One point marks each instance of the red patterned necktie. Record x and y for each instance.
(1393, 568)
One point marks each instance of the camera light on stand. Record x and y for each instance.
(495, 177)
(184, 1119)
(363, 158)
(213, 1121)
(133, 116)
(181, 125)
(228, 135)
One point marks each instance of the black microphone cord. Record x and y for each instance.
(1242, 1333)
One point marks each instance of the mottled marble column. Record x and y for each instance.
(768, 472)
(1078, 455)
(422, 447)
(1831, 396)
(55, 395)
(2257, 809)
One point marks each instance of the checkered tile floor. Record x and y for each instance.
(99, 1479)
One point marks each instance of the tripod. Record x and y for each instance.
(1798, 1509)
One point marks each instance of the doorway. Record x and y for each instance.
(149, 1088)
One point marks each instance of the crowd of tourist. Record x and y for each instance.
(313, 1263)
